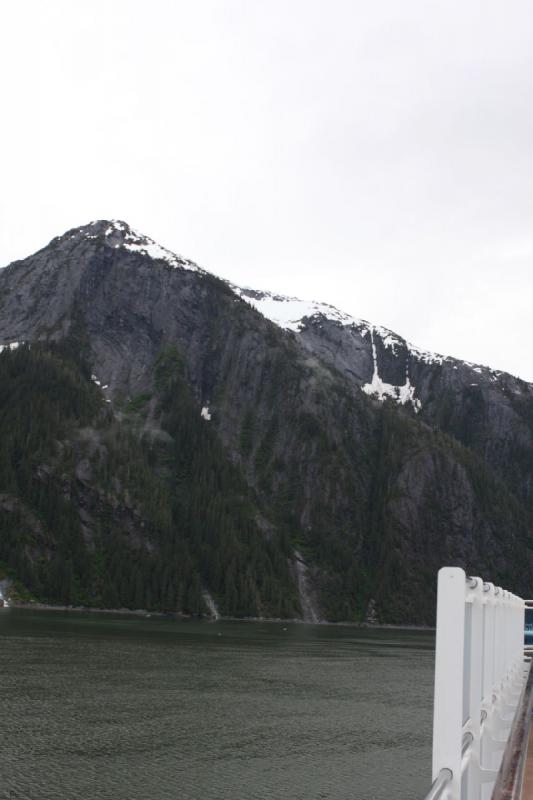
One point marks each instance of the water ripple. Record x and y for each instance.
(115, 709)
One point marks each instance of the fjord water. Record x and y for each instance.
(120, 708)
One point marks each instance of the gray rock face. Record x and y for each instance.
(385, 462)
(486, 409)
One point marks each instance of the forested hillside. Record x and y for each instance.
(92, 512)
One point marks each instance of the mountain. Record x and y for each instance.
(485, 409)
(170, 441)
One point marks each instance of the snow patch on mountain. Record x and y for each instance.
(493, 374)
(290, 312)
(426, 356)
(381, 390)
(390, 342)
(10, 346)
(95, 379)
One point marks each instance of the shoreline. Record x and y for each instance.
(143, 613)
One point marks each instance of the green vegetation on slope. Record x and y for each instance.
(90, 513)
(146, 508)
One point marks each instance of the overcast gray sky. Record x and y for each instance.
(374, 155)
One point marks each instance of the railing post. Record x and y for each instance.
(449, 664)
(474, 687)
(488, 671)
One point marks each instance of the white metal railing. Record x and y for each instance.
(479, 676)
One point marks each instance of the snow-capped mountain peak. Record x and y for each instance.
(382, 363)
(119, 234)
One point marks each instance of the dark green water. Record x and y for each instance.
(123, 708)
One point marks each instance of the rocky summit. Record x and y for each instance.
(174, 443)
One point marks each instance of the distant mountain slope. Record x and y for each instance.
(483, 408)
(305, 467)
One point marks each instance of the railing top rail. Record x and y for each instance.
(496, 591)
